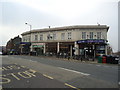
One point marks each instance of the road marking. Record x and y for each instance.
(106, 66)
(89, 64)
(48, 76)
(75, 71)
(71, 86)
(23, 66)
(14, 76)
(118, 83)
(0, 87)
(98, 65)
(33, 61)
(2, 81)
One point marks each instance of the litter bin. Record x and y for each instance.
(99, 59)
(109, 59)
(104, 58)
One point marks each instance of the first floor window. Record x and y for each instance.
(83, 35)
(41, 37)
(62, 36)
(69, 35)
(36, 37)
(98, 35)
(54, 36)
(91, 35)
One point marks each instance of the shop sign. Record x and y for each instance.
(91, 41)
(25, 43)
(37, 46)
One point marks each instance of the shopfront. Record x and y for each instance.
(38, 48)
(25, 47)
(63, 48)
(92, 48)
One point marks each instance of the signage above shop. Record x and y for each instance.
(25, 43)
(91, 41)
(37, 46)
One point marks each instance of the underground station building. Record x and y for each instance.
(85, 40)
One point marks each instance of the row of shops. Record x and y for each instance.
(85, 48)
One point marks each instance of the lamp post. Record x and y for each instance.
(30, 35)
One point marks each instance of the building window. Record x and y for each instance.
(83, 35)
(49, 37)
(91, 35)
(69, 35)
(29, 38)
(62, 36)
(23, 39)
(36, 37)
(98, 35)
(41, 37)
(54, 36)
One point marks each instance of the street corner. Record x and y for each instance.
(17, 76)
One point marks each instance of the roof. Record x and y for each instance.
(67, 28)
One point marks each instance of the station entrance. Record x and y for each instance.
(92, 48)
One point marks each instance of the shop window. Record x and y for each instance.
(100, 47)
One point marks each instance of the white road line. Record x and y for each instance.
(118, 83)
(74, 71)
(33, 61)
(98, 65)
(106, 66)
(89, 64)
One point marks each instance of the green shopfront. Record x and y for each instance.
(38, 48)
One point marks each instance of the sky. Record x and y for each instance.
(56, 13)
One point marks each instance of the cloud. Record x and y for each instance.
(44, 13)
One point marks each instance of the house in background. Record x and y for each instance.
(13, 45)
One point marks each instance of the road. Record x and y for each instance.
(58, 73)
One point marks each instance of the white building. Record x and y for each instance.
(75, 40)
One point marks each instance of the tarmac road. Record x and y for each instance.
(66, 73)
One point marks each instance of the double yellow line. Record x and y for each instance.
(65, 83)
(48, 76)
(71, 86)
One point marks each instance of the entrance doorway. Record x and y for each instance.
(39, 51)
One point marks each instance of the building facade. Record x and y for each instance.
(86, 40)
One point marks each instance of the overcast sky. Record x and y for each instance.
(43, 13)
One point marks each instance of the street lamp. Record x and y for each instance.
(29, 25)
(30, 35)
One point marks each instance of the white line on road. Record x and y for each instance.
(106, 66)
(98, 65)
(33, 61)
(74, 71)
